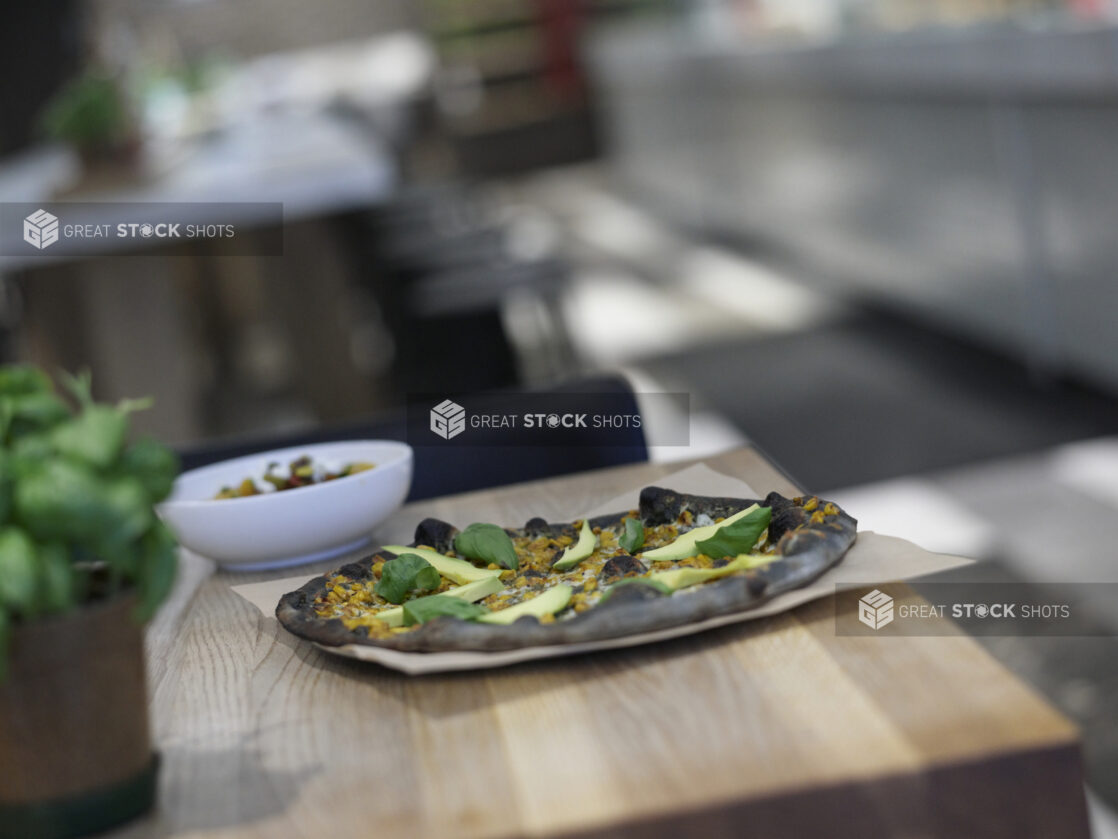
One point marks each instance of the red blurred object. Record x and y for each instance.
(1089, 9)
(561, 25)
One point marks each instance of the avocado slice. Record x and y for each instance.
(679, 578)
(456, 570)
(685, 545)
(553, 600)
(577, 552)
(470, 592)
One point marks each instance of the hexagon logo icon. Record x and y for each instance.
(40, 229)
(448, 419)
(875, 610)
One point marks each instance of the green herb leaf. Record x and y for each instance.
(95, 436)
(632, 539)
(65, 501)
(635, 581)
(131, 406)
(126, 510)
(30, 449)
(153, 465)
(61, 500)
(737, 538)
(275, 480)
(79, 385)
(21, 379)
(423, 609)
(405, 574)
(32, 412)
(5, 486)
(122, 559)
(156, 569)
(18, 568)
(488, 543)
(56, 578)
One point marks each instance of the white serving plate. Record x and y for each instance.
(291, 527)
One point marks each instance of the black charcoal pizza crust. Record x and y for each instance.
(808, 542)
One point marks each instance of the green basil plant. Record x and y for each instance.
(77, 519)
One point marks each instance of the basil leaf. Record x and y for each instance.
(405, 574)
(21, 379)
(489, 543)
(95, 436)
(56, 577)
(156, 569)
(632, 539)
(126, 510)
(31, 449)
(18, 570)
(33, 412)
(5, 640)
(5, 485)
(737, 538)
(639, 581)
(423, 609)
(153, 464)
(61, 500)
(79, 385)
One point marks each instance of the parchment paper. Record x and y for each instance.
(874, 558)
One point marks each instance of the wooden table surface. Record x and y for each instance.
(775, 727)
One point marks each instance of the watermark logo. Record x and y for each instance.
(448, 419)
(549, 418)
(977, 608)
(875, 610)
(40, 229)
(85, 228)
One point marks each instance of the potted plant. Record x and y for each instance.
(84, 562)
(91, 114)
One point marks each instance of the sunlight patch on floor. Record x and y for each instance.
(747, 288)
(1091, 467)
(615, 318)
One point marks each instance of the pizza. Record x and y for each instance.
(677, 559)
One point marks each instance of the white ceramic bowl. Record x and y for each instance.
(294, 526)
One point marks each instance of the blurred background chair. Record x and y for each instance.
(446, 266)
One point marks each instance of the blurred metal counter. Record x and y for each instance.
(965, 176)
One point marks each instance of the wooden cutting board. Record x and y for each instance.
(772, 728)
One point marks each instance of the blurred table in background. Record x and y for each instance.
(318, 130)
(313, 163)
(124, 315)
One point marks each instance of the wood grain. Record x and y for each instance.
(776, 725)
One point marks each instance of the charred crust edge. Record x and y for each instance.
(436, 533)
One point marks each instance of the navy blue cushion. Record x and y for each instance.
(446, 470)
